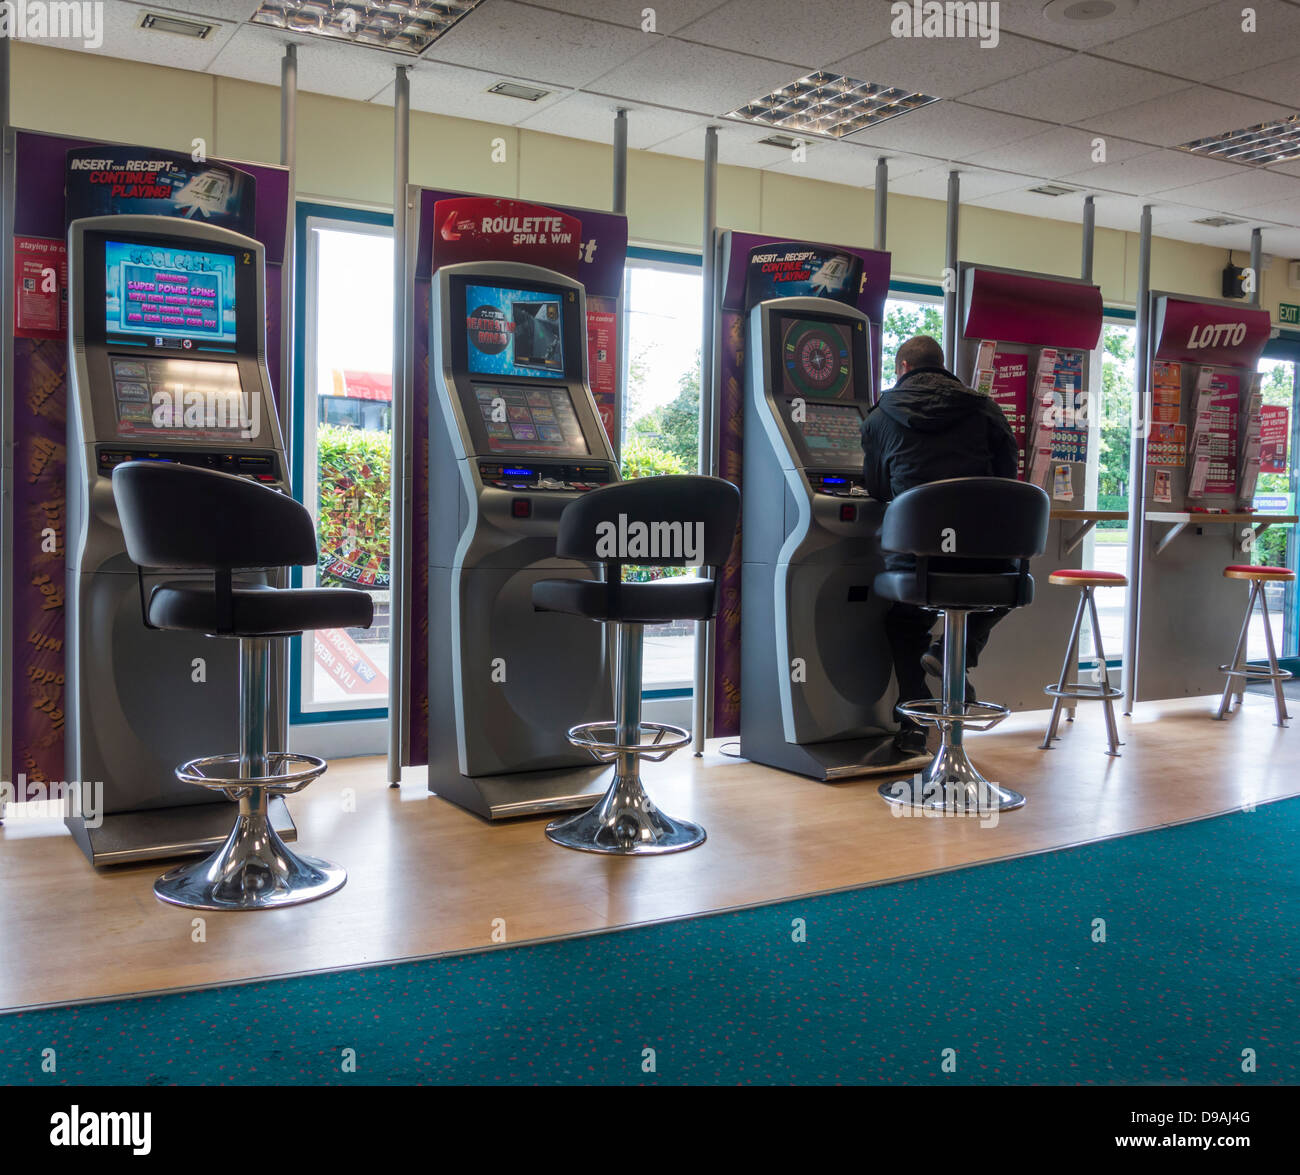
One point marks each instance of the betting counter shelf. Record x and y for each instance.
(1178, 521)
(1088, 518)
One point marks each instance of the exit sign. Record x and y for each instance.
(1289, 313)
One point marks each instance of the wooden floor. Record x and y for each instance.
(427, 878)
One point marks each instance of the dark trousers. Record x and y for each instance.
(908, 629)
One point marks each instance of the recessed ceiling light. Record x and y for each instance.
(172, 24)
(829, 105)
(1084, 11)
(1266, 142)
(515, 90)
(400, 26)
(1218, 221)
(1052, 190)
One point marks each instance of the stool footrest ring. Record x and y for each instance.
(972, 715)
(280, 782)
(598, 738)
(1095, 693)
(1257, 674)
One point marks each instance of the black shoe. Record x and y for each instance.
(909, 742)
(932, 663)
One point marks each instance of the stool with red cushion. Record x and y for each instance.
(1087, 581)
(1238, 671)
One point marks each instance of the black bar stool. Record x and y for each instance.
(186, 519)
(1239, 672)
(649, 522)
(972, 538)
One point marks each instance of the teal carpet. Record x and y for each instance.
(996, 962)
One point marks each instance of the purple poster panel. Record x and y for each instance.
(36, 692)
(1031, 310)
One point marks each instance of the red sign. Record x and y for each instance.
(362, 385)
(1274, 432)
(1212, 334)
(40, 288)
(1034, 311)
(478, 228)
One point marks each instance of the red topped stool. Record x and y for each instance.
(1238, 671)
(1100, 690)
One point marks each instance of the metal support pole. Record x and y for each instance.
(1137, 465)
(401, 464)
(950, 274)
(1256, 259)
(620, 163)
(702, 692)
(279, 694)
(882, 199)
(1089, 231)
(8, 555)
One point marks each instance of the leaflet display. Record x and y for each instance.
(169, 295)
(534, 420)
(514, 332)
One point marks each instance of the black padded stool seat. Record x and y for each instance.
(970, 540)
(956, 589)
(211, 525)
(656, 602)
(258, 610)
(650, 522)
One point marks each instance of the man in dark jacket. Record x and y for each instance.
(928, 427)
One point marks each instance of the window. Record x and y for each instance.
(1276, 546)
(903, 319)
(663, 321)
(346, 448)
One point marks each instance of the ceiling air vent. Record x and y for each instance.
(785, 142)
(1218, 221)
(516, 90)
(174, 24)
(1053, 190)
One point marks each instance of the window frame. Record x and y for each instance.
(302, 446)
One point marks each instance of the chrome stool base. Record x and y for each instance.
(626, 823)
(951, 783)
(253, 870)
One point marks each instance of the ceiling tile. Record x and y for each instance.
(1279, 82)
(583, 116)
(1026, 17)
(974, 183)
(1073, 89)
(1155, 171)
(1281, 211)
(670, 15)
(1193, 113)
(1209, 43)
(1250, 189)
(948, 130)
(1289, 167)
(255, 52)
(235, 10)
(525, 42)
(848, 163)
(124, 39)
(812, 34)
(1068, 208)
(738, 146)
(462, 93)
(948, 67)
(683, 76)
(1060, 151)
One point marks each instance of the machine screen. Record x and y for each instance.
(816, 358)
(180, 399)
(532, 420)
(514, 332)
(832, 434)
(170, 296)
